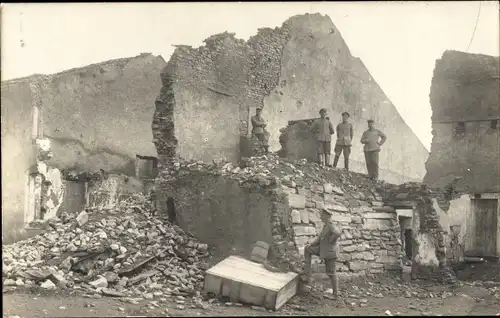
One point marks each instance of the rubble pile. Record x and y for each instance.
(271, 169)
(116, 252)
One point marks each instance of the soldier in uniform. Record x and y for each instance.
(323, 130)
(326, 247)
(259, 127)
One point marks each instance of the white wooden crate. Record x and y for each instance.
(248, 282)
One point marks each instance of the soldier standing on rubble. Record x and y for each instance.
(345, 133)
(258, 127)
(370, 139)
(326, 247)
(323, 130)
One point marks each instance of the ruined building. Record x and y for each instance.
(465, 152)
(209, 94)
(81, 120)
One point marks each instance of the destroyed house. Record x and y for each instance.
(465, 151)
(209, 94)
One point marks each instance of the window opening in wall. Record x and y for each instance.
(494, 124)
(146, 167)
(172, 214)
(459, 130)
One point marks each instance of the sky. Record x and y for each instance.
(398, 42)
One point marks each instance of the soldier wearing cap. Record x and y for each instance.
(345, 133)
(326, 247)
(373, 139)
(258, 126)
(323, 130)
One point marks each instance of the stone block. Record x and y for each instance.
(304, 192)
(316, 188)
(345, 257)
(382, 209)
(304, 216)
(349, 248)
(379, 216)
(363, 247)
(310, 204)
(356, 220)
(353, 204)
(376, 224)
(313, 215)
(376, 271)
(338, 217)
(345, 242)
(319, 204)
(348, 235)
(296, 201)
(296, 219)
(377, 203)
(289, 190)
(366, 209)
(357, 266)
(337, 191)
(377, 265)
(327, 188)
(387, 259)
(301, 230)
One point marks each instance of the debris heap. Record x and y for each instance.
(118, 252)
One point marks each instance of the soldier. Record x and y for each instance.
(345, 133)
(322, 129)
(258, 128)
(326, 247)
(370, 139)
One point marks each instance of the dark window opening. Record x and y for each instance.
(172, 214)
(477, 196)
(459, 131)
(494, 124)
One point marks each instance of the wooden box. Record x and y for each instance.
(248, 282)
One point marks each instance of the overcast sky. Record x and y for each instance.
(397, 41)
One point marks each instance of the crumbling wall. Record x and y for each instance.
(465, 90)
(291, 72)
(18, 155)
(99, 116)
(430, 236)
(227, 215)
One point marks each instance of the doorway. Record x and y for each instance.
(485, 220)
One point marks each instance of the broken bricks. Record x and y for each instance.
(106, 251)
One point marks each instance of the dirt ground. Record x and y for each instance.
(368, 297)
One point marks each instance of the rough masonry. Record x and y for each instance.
(291, 72)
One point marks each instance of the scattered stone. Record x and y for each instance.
(48, 284)
(100, 282)
(82, 218)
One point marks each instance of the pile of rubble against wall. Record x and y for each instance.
(122, 251)
(294, 194)
(430, 239)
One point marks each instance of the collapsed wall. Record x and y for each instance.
(465, 103)
(291, 72)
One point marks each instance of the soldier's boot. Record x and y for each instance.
(322, 160)
(336, 161)
(335, 285)
(327, 160)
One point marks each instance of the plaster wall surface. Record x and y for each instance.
(18, 155)
(465, 88)
(99, 116)
(219, 212)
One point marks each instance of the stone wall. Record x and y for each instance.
(465, 89)
(299, 142)
(291, 72)
(370, 242)
(98, 116)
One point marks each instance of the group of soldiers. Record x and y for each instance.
(322, 128)
(325, 246)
